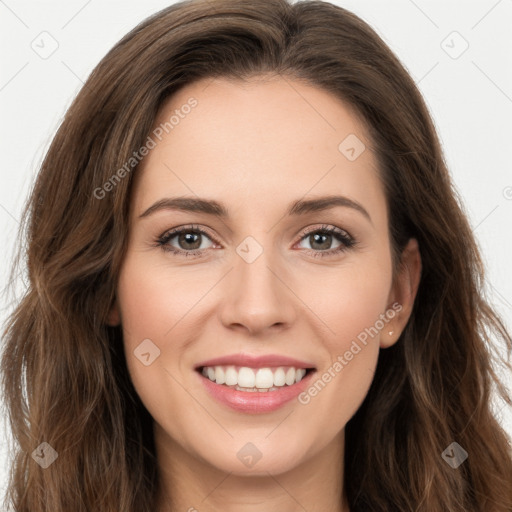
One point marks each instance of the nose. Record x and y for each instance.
(257, 297)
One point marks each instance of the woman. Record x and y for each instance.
(249, 371)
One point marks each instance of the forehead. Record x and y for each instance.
(263, 142)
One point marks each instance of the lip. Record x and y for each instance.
(252, 361)
(255, 402)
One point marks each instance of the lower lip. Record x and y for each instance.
(257, 401)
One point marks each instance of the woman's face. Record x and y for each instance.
(263, 279)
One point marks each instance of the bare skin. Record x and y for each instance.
(257, 147)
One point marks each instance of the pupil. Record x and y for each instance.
(324, 245)
(188, 238)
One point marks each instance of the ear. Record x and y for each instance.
(403, 292)
(114, 318)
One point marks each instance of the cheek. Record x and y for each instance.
(350, 300)
(153, 303)
(153, 298)
(359, 301)
(353, 307)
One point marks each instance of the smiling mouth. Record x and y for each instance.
(254, 380)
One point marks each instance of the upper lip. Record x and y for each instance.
(253, 361)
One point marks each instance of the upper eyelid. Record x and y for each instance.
(176, 231)
(171, 233)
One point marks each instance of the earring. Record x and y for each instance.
(390, 333)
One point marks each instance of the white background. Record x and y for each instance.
(470, 98)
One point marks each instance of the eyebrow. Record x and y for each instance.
(212, 207)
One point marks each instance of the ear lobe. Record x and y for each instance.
(403, 292)
(113, 317)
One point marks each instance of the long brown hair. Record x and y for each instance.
(64, 371)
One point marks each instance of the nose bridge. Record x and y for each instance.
(257, 297)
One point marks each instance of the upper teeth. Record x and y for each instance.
(254, 377)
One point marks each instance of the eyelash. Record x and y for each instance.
(347, 241)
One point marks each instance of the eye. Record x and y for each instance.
(189, 241)
(321, 239)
